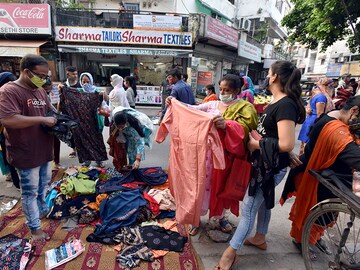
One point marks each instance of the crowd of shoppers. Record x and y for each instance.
(267, 141)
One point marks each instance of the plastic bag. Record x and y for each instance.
(104, 109)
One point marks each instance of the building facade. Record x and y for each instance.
(145, 38)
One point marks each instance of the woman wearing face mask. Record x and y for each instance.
(210, 93)
(234, 118)
(117, 96)
(83, 104)
(270, 157)
(330, 146)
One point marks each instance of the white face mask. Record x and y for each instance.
(226, 98)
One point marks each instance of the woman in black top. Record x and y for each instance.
(277, 138)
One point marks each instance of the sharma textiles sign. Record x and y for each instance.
(25, 19)
(123, 36)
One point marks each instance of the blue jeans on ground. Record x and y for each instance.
(250, 206)
(33, 183)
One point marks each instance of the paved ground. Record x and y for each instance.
(280, 255)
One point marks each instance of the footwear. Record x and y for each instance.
(72, 154)
(225, 225)
(100, 164)
(321, 245)
(193, 230)
(86, 163)
(58, 166)
(312, 252)
(218, 267)
(39, 235)
(262, 246)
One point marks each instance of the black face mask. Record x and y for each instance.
(264, 86)
(354, 125)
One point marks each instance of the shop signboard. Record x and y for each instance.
(249, 51)
(123, 36)
(25, 19)
(126, 51)
(203, 79)
(333, 70)
(219, 31)
(344, 69)
(355, 69)
(148, 95)
(157, 22)
(54, 93)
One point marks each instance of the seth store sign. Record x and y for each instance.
(25, 19)
(123, 36)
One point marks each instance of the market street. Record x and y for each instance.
(281, 253)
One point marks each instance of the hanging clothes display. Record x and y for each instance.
(192, 135)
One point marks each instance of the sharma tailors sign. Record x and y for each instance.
(33, 19)
(123, 36)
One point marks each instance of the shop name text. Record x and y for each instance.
(127, 36)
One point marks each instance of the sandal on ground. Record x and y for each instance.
(86, 163)
(58, 166)
(39, 235)
(321, 245)
(218, 267)
(312, 252)
(225, 225)
(72, 155)
(193, 230)
(100, 164)
(262, 246)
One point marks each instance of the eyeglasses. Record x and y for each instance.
(41, 76)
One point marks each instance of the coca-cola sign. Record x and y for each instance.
(30, 19)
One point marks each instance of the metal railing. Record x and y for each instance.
(103, 18)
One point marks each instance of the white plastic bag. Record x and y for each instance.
(104, 109)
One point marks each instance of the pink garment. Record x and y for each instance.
(192, 134)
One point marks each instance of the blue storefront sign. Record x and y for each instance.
(333, 70)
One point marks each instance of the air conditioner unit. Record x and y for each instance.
(237, 24)
(245, 25)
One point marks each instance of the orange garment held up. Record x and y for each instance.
(192, 135)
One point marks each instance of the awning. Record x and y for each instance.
(19, 48)
(124, 50)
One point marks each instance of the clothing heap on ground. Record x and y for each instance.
(120, 206)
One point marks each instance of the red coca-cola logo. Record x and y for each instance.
(33, 13)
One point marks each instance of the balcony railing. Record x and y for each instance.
(103, 18)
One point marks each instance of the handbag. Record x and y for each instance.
(238, 180)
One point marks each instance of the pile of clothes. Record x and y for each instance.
(123, 209)
(15, 252)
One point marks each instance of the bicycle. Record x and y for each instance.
(337, 221)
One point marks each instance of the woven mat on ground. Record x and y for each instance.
(96, 255)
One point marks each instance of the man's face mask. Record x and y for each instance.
(37, 80)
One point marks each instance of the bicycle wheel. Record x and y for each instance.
(339, 246)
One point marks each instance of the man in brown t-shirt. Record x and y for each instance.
(23, 106)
